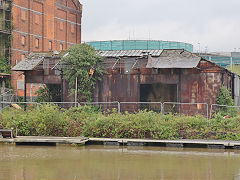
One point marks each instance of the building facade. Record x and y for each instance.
(42, 26)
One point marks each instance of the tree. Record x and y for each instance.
(224, 98)
(83, 62)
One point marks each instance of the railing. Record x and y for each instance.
(176, 108)
(137, 106)
(227, 109)
(103, 106)
(189, 109)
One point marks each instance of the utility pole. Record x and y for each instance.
(61, 85)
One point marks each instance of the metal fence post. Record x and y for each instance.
(207, 116)
(210, 116)
(119, 108)
(162, 110)
(38, 105)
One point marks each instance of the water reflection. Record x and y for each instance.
(112, 162)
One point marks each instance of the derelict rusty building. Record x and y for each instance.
(143, 76)
(162, 76)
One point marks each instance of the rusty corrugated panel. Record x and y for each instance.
(176, 59)
(129, 53)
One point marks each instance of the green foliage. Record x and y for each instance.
(82, 58)
(4, 66)
(224, 98)
(49, 93)
(51, 120)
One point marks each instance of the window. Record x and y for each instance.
(61, 47)
(23, 40)
(23, 15)
(37, 42)
(36, 19)
(61, 25)
(50, 45)
(20, 85)
(72, 28)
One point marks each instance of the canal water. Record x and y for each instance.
(113, 163)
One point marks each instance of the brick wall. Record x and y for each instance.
(40, 26)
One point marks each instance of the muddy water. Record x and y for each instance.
(110, 163)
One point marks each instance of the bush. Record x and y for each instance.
(224, 98)
(51, 120)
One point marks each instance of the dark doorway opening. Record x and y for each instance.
(158, 92)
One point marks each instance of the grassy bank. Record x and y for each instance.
(50, 120)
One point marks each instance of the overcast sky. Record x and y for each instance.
(214, 24)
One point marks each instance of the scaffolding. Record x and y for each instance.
(5, 17)
(5, 28)
(139, 45)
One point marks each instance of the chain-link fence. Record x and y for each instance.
(133, 107)
(7, 95)
(189, 109)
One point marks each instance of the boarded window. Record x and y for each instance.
(23, 40)
(37, 19)
(37, 43)
(61, 25)
(50, 45)
(23, 15)
(72, 28)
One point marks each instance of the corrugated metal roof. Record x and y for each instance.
(34, 59)
(129, 53)
(156, 58)
(30, 62)
(176, 59)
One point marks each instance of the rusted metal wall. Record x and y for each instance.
(197, 85)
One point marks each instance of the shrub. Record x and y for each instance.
(51, 120)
